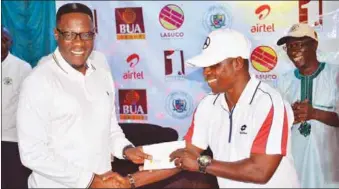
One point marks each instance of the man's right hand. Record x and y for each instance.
(109, 180)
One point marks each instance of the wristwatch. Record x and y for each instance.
(203, 162)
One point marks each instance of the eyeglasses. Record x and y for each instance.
(296, 45)
(69, 36)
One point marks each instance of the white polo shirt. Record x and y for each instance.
(259, 123)
(14, 70)
(67, 124)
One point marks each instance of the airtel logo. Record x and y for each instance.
(133, 60)
(263, 11)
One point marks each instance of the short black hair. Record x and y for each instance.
(73, 8)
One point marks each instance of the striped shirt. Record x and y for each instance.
(259, 123)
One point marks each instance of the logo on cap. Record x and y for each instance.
(294, 28)
(207, 43)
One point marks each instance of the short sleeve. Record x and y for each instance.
(272, 120)
(198, 131)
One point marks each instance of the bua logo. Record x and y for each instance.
(133, 60)
(217, 17)
(264, 59)
(133, 104)
(171, 17)
(262, 12)
(129, 23)
(174, 64)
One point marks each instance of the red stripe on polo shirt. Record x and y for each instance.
(284, 134)
(260, 141)
(189, 134)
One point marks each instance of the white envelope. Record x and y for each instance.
(160, 153)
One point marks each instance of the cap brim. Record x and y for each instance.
(202, 61)
(283, 40)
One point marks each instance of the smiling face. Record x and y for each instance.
(301, 51)
(221, 77)
(75, 51)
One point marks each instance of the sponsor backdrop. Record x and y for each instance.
(147, 42)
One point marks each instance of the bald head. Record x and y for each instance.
(6, 42)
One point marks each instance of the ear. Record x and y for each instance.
(56, 34)
(238, 63)
(10, 42)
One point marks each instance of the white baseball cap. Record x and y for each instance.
(220, 45)
(299, 30)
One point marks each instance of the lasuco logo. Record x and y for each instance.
(132, 60)
(171, 17)
(174, 64)
(315, 6)
(129, 23)
(264, 59)
(262, 12)
(133, 104)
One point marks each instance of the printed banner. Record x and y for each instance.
(146, 43)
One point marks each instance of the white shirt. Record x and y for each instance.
(259, 123)
(316, 156)
(14, 70)
(67, 124)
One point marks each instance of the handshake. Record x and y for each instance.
(110, 179)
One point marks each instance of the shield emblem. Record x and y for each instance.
(218, 20)
(179, 105)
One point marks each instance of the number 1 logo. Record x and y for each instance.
(174, 63)
(308, 10)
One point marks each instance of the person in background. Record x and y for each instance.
(67, 127)
(312, 89)
(14, 70)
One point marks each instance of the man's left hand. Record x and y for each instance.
(185, 159)
(136, 155)
(303, 111)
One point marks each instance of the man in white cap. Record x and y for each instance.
(245, 122)
(312, 90)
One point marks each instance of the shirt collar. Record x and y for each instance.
(7, 59)
(314, 75)
(67, 68)
(246, 96)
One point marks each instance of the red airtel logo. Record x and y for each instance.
(263, 11)
(133, 60)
